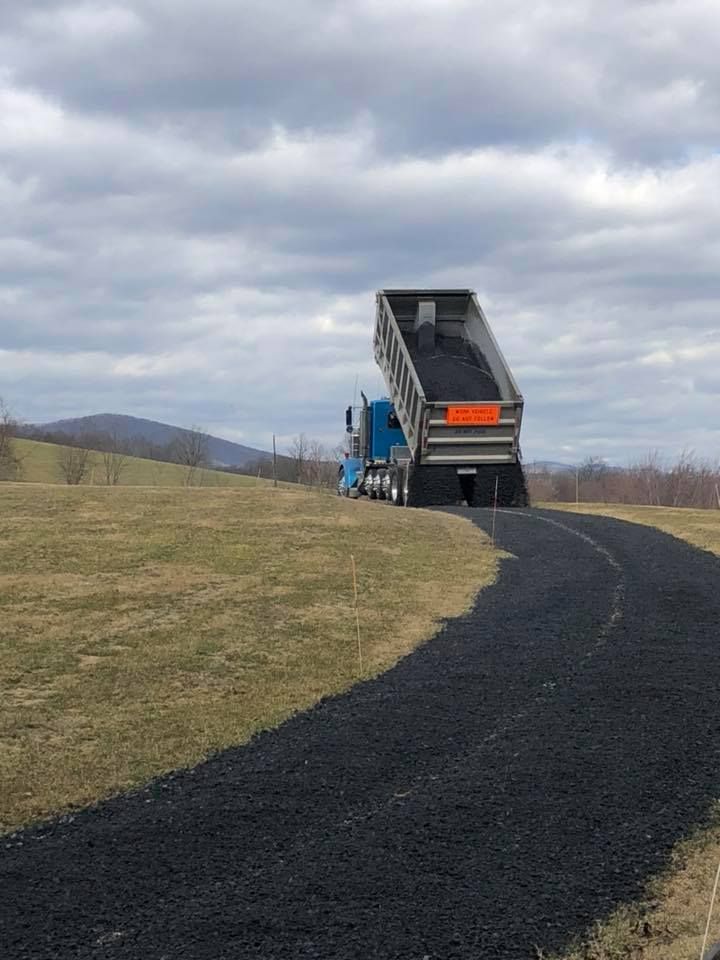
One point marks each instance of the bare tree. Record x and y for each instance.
(73, 463)
(541, 485)
(10, 461)
(593, 468)
(328, 462)
(681, 480)
(644, 481)
(298, 453)
(191, 449)
(114, 459)
(315, 463)
(688, 482)
(312, 463)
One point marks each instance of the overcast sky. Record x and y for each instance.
(198, 201)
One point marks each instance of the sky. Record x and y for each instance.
(198, 202)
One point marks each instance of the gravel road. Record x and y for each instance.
(499, 789)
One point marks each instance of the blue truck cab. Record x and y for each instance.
(375, 444)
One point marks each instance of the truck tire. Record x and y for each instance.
(406, 498)
(396, 490)
(342, 487)
(370, 485)
(382, 490)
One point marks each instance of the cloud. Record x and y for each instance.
(197, 210)
(434, 76)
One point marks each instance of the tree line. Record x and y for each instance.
(306, 461)
(688, 481)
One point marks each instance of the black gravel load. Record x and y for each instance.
(455, 370)
(510, 782)
(439, 485)
(435, 486)
(511, 486)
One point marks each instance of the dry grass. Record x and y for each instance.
(40, 465)
(669, 923)
(143, 628)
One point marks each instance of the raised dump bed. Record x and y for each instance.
(454, 395)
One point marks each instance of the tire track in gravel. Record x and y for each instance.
(501, 788)
(618, 598)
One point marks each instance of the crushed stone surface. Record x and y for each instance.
(455, 370)
(497, 791)
(433, 485)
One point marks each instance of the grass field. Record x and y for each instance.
(142, 628)
(39, 465)
(670, 922)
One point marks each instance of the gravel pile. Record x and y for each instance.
(511, 486)
(435, 485)
(510, 782)
(456, 370)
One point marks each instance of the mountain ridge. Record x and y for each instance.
(222, 452)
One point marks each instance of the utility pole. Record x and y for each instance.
(577, 485)
(274, 463)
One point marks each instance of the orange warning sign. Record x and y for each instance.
(479, 415)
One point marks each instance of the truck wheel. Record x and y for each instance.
(396, 496)
(406, 498)
(342, 490)
(382, 487)
(371, 486)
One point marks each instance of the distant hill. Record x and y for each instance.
(222, 452)
(548, 466)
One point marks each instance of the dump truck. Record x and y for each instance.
(448, 431)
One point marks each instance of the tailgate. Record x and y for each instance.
(467, 433)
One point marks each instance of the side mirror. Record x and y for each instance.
(348, 419)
